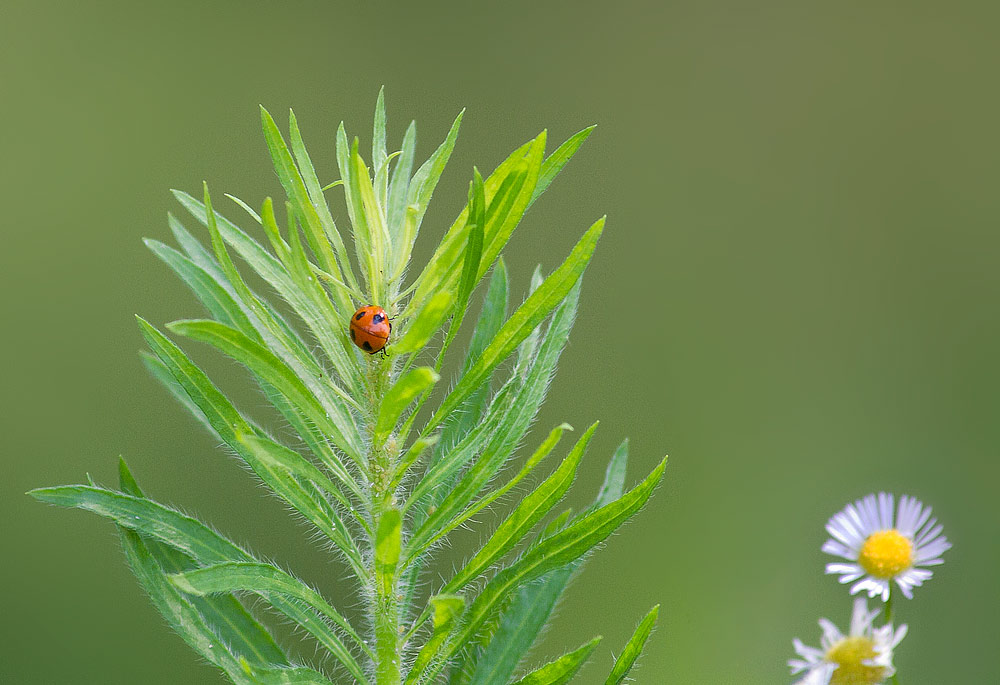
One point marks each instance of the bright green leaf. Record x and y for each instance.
(528, 512)
(399, 397)
(626, 660)
(562, 669)
(446, 611)
(555, 162)
(425, 324)
(523, 321)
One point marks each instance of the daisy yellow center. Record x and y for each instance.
(849, 655)
(886, 553)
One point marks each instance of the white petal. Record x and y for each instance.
(885, 511)
(806, 652)
(831, 633)
(838, 549)
(820, 675)
(860, 618)
(848, 572)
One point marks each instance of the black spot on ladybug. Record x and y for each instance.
(353, 337)
(377, 318)
(367, 345)
(360, 316)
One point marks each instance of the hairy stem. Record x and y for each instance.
(386, 524)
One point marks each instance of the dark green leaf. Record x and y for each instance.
(229, 620)
(331, 417)
(264, 580)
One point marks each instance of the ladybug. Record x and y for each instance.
(370, 329)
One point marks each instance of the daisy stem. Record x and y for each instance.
(887, 618)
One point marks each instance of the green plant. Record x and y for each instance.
(382, 480)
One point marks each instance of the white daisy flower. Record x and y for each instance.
(862, 657)
(880, 549)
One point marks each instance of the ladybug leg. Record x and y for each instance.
(383, 353)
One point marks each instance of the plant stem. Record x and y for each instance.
(382, 572)
(887, 618)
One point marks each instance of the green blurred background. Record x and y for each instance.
(795, 297)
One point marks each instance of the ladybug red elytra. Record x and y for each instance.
(370, 329)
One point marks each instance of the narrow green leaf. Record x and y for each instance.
(493, 314)
(474, 247)
(503, 427)
(369, 212)
(563, 547)
(172, 528)
(148, 518)
(425, 324)
(399, 397)
(160, 373)
(399, 186)
(528, 512)
(614, 477)
(507, 191)
(446, 611)
(633, 648)
(523, 321)
(562, 669)
(270, 224)
(295, 189)
(296, 675)
(531, 608)
(219, 303)
(555, 162)
(506, 210)
(315, 193)
(277, 456)
(535, 459)
(263, 579)
(180, 615)
(379, 155)
(332, 418)
(193, 248)
(231, 426)
(246, 208)
(473, 254)
(526, 350)
(412, 454)
(333, 343)
(228, 619)
(426, 178)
